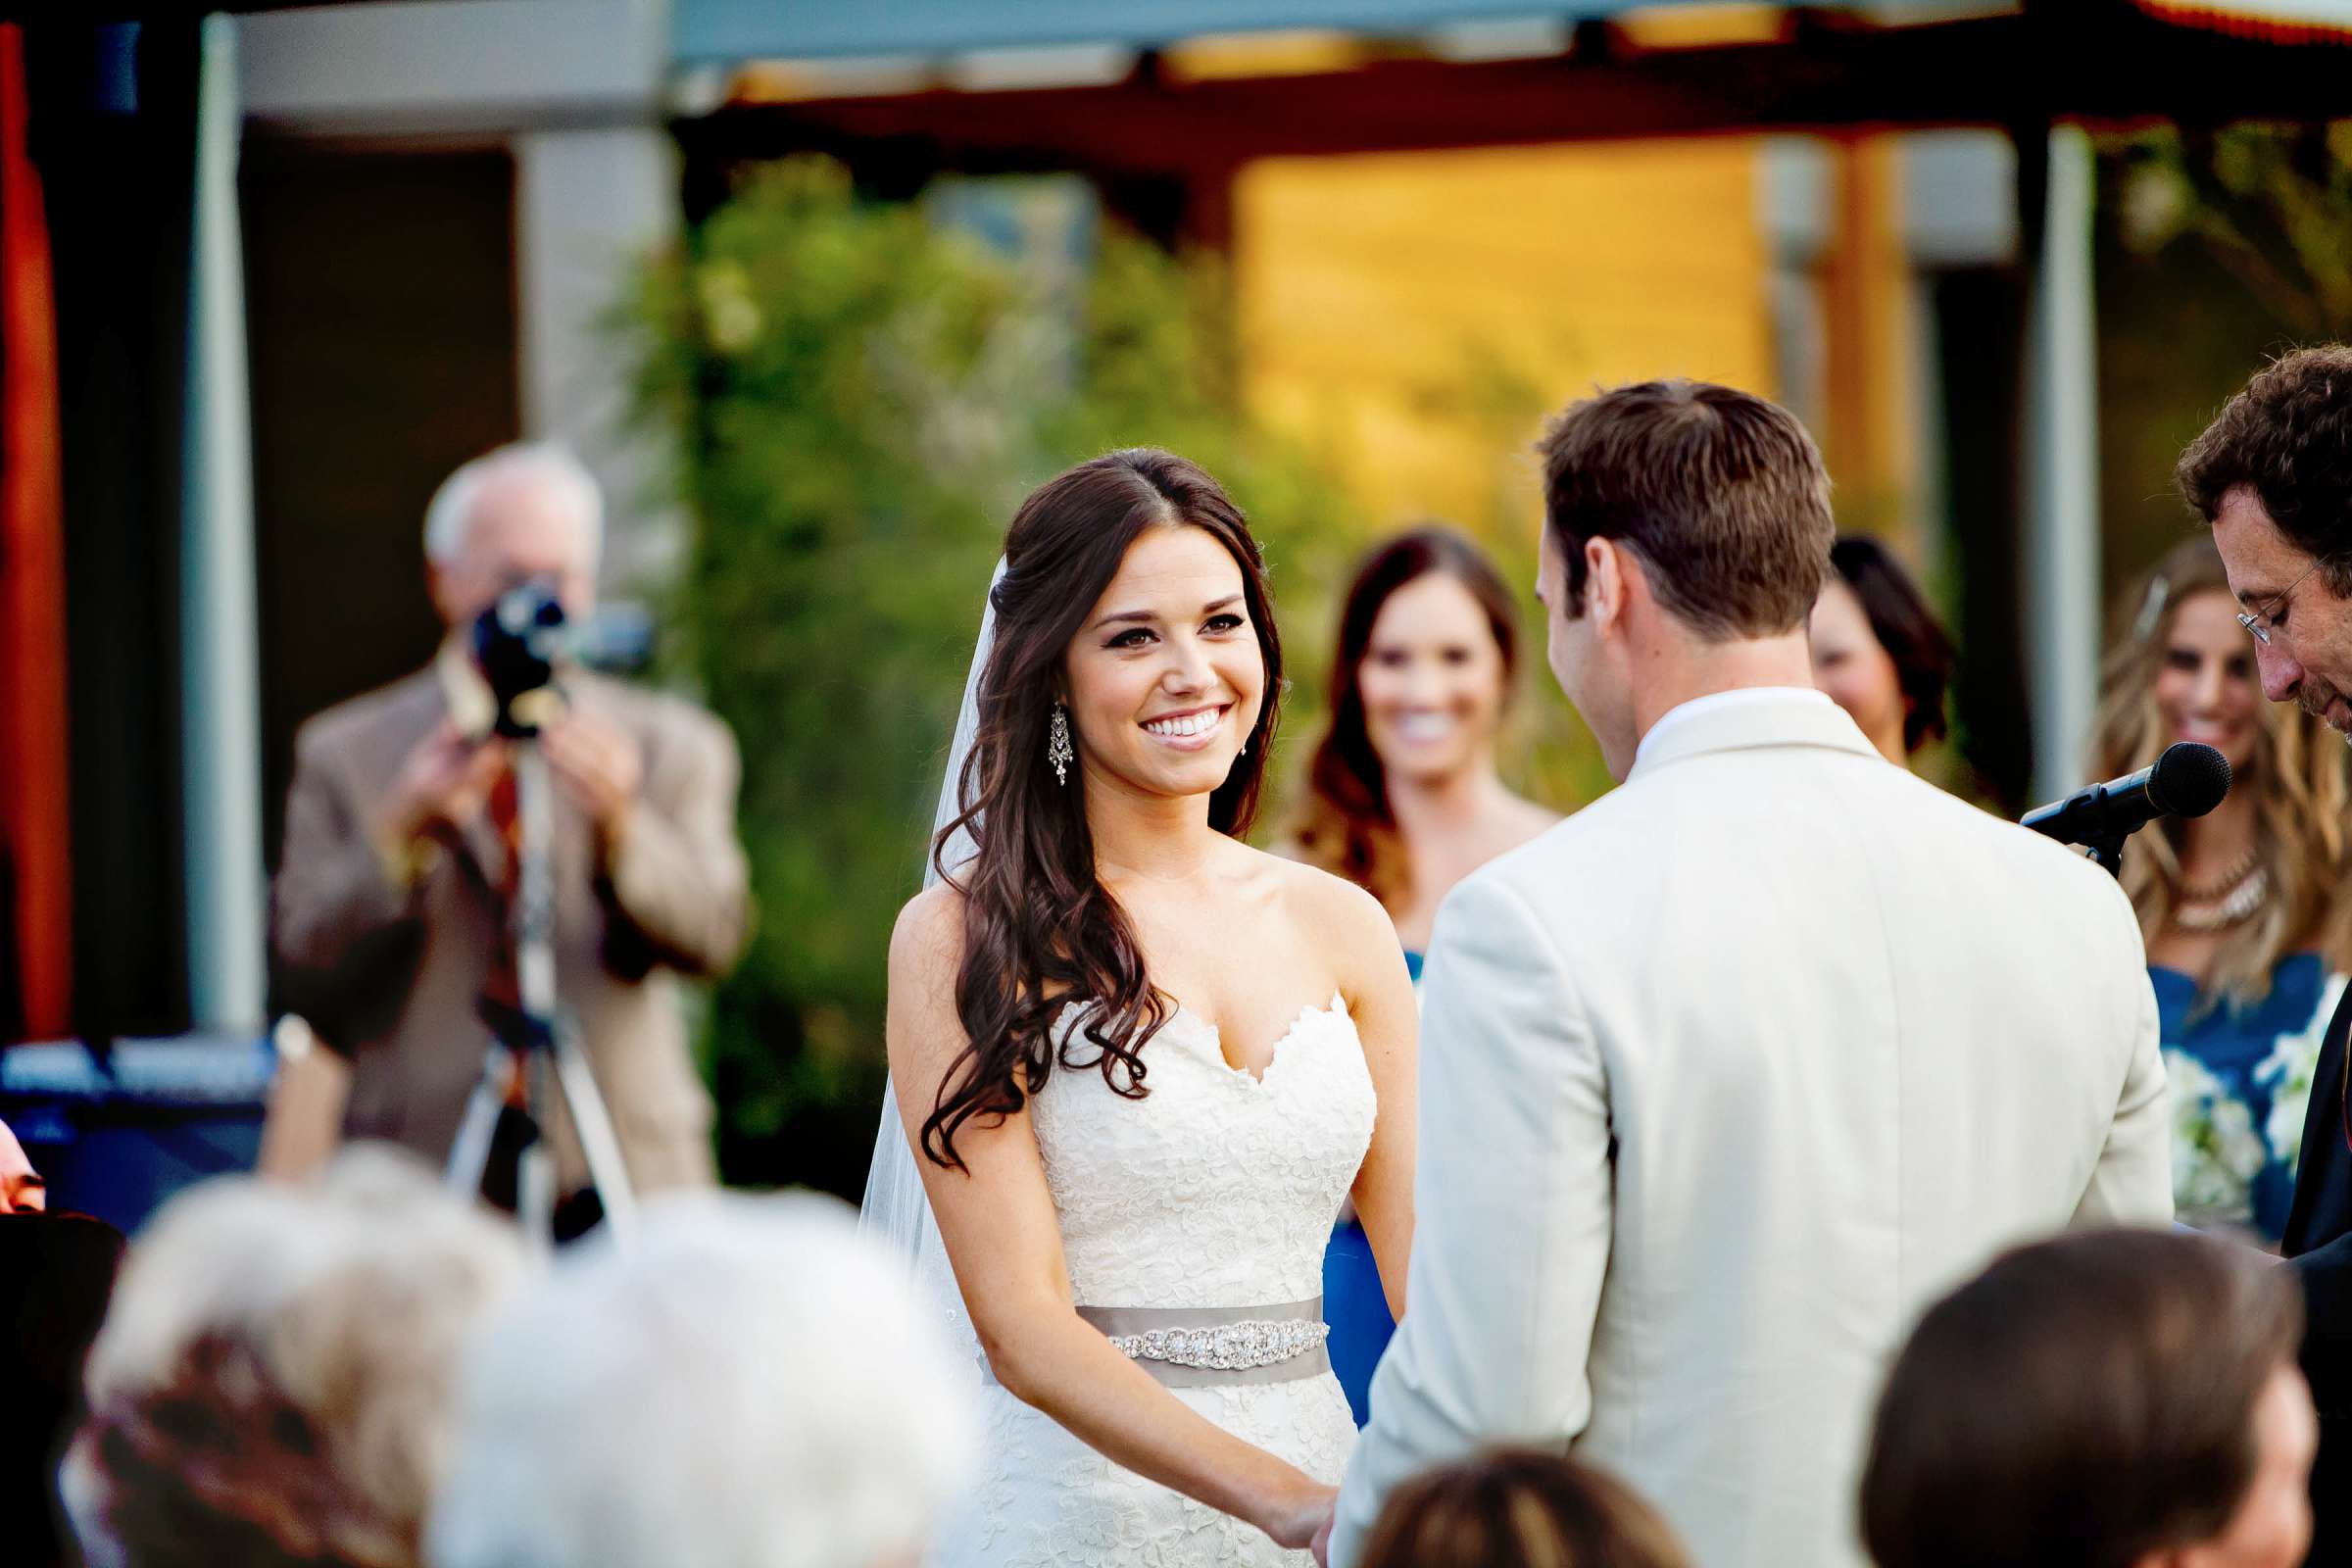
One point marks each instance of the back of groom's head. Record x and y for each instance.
(1720, 493)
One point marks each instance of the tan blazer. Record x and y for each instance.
(390, 975)
(1723, 1080)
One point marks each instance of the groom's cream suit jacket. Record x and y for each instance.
(1723, 1080)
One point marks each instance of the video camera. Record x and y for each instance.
(515, 644)
(519, 642)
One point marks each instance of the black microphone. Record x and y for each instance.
(2187, 780)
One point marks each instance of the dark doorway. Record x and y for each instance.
(1980, 324)
(380, 301)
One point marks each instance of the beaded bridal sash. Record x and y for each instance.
(1200, 1347)
(1209, 1346)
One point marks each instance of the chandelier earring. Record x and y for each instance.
(1059, 750)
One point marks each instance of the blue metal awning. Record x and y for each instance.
(730, 32)
(726, 31)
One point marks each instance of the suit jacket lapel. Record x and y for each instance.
(2317, 1167)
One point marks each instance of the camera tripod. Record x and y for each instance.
(536, 1056)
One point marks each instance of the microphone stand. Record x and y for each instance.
(2105, 845)
(538, 1045)
(2108, 850)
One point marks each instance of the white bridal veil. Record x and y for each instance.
(896, 1208)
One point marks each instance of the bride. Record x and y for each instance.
(1138, 1063)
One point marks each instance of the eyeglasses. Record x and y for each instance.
(2258, 622)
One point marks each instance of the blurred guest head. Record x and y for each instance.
(1428, 646)
(518, 514)
(2108, 1399)
(1877, 649)
(2273, 476)
(1686, 532)
(1519, 1508)
(2183, 670)
(22, 1189)
(272, 1385)
(750, 1385)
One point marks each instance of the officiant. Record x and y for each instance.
(2273, 477)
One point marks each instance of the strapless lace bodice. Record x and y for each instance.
(1216, 1189)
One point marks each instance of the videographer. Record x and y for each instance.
(389, 916)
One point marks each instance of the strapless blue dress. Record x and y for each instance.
(1354, 1303)
(2240, 1080)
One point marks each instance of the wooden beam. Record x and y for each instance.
(2091, 60)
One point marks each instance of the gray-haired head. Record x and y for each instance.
(752, 1385)
(521, 511)
(317, 1331)
(449, 517)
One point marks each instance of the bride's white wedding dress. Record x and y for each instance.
(1213, 1193)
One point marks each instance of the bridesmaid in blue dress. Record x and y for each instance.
(1404, 800)
(2243, 909)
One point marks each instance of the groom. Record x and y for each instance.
(1728, 1075)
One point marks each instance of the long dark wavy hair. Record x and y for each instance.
(1916, 643)
(1039, 930)
(1347, 827)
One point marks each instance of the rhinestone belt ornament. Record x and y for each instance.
(1227, 1348)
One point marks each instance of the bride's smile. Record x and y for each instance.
(1191, 730)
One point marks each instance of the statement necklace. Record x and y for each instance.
(2227, 902)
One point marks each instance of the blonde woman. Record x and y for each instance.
(2243, 910)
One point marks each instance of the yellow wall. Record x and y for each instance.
(1415, 316)
(1867, 428)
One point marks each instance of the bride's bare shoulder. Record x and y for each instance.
(1322, 902)
(926, 949)
(929, 935)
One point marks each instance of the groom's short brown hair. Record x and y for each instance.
(1721, 494)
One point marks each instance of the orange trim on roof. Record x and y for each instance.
(2247, 24)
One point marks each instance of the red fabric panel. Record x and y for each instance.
(33, 578)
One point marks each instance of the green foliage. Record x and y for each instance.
(1546, 753)
(857, 396)
(2216, 249)
(2272, 203)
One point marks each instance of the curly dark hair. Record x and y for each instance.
(2287, 436)
(1900, 620)
(1039, 930)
